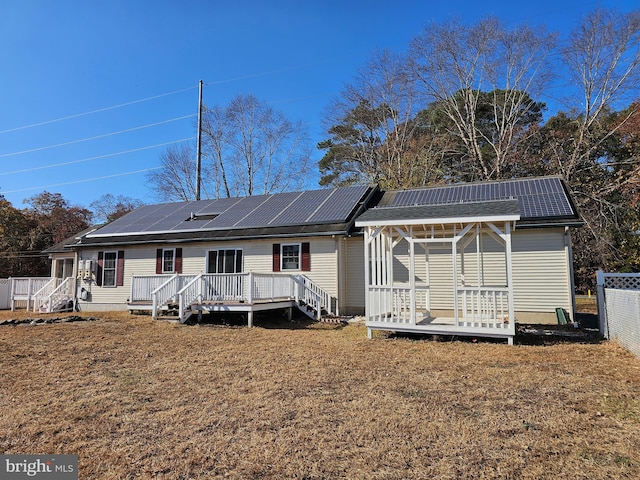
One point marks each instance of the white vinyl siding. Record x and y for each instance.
(540, 270)
(353, 287)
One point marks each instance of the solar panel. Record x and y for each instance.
(234, 214)
(538, 197)
(267, 211)
(338, 205)
(282, 209)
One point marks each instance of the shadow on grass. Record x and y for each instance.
(543, 335)
(274, 320)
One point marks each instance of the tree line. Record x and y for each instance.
(48, 220)
(467, 103)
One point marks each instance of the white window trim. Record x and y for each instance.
(282, 269)
(115, 269)
(173, 265)
(222, 249)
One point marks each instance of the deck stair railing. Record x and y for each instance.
(55, 296)
(167, 292)
(312, 294)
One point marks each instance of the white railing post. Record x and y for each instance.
(250, 288)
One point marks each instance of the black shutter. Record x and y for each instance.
(158, 261)
(99, 269)
(276, 257)
(306, 257)
(120, 269)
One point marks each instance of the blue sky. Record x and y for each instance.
(61, 59)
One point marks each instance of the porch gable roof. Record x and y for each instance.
(495, 211)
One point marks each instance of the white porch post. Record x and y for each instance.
(454, 265)
(367, 276)
(412, 277)
(512, 318)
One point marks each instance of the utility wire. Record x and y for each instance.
(38, 149)
(97, 157)
(112, 107)
(81, 181)
(133, 102)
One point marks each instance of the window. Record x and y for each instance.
(109, 267)
(291, 257)
(168, 260)
(224, 261)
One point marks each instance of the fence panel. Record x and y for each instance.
(5, 293)
(623, 318)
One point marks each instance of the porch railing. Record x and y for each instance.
(393, 303)
(485, 307)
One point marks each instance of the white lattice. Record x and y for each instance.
(622, 281)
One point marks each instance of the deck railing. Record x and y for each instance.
(24, 288)
(186, 290)
(484, 307)
(142, 286)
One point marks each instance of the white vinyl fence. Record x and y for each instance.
(5, 293)
(619, 308)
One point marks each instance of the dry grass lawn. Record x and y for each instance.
(137, 398)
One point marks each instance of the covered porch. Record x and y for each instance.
(443, 269)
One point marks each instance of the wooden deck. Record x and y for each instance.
(224, 306)
(447, 326)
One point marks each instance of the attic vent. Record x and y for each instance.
(202, 216)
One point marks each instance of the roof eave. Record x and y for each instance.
(437, 221)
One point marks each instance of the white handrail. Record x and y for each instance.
(61, 292)
(45, 291)
(188, 294)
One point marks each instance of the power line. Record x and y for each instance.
(96, 157)
(96, 137)
(112, 107)
(80, 181)
(133, 102)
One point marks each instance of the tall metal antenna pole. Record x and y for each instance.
(199, 145)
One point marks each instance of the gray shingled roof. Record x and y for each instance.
(434, 212)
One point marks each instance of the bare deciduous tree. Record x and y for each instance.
(254, 149)
(110, 207)
(456, 63)
(603, 58)
(175, 180)
(371, 126)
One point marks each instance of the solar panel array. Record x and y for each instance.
(280, 209)
(537, 197)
